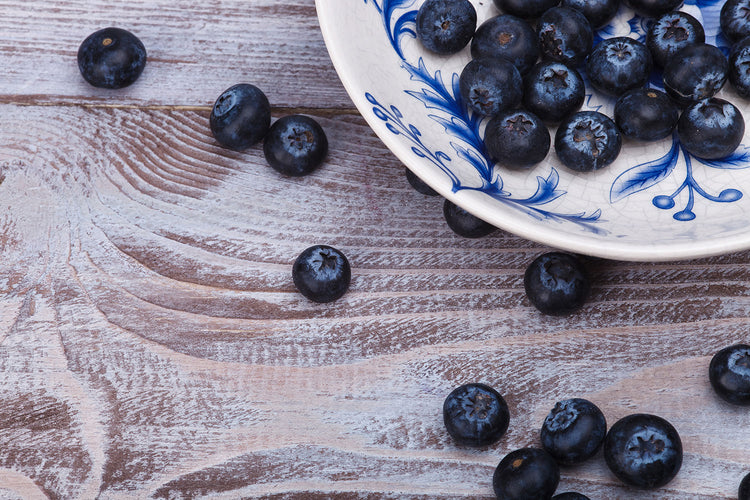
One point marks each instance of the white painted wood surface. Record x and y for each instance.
(152, 343)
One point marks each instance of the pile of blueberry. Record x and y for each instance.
(643, 451)
(525, 75)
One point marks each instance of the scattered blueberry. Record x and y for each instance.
(744, 491)
(463, 223)
(557, 283)
(571, 495)
(240, 117)
(508, 37)
(295, 145)
(446, 26)
(619, 64)
(671, 32)
(111, 58)
(565, 35)
(321, 273)
(711, 129)
(734, 20)
(573, 431)
(646, 114)
(475, 415)
(517, 138)
(525, 8)
(653, 8)
(643, 451)
(418, 184)
(598, 12)
(553, 90)
(587, 140)
(739, 67)
(729, 373)
(526, 474)
(694, 73)
(490, 85)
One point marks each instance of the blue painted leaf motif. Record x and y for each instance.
(738, 160)
(645, 175)
(546, 190)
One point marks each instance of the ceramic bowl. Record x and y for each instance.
(656, 202)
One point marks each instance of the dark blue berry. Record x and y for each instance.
(739, 67)
(670, 33)
(464, 223)
(711, 129)
(517, 138)
(619, 64)
(570, 495)
(695, 73)
(475, 415)
(446, 26)
(587, 140)
(508, 37)
(418, 184)
(557, 283)
(565, 35)
(734, 19)
(490, 85)
(598, 12)
(646, 114)
(295, 145)
(111, 58)
(553, 90)
(653, 8)
(643, 451)
(240, 116)
(573, 431)
(321, 273)
(729, 374)
(525, 8)
(744, 491)
(526, 474)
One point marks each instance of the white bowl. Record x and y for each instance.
(654, 203)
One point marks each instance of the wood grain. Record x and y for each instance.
(152, 344)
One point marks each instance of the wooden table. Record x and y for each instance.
(153, 343)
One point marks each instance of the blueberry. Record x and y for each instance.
(729, 374)
(553, 90)
(587, 140)
(739, 67)
(490, 85)
(619, 64)
(653, 8)
(525, 8)
(711, 129)
(646, 114)
(734, 19)
(517, 138)
(694, 73)
(321, 273)
(571, 495)
(744, 491)
(598, 12)
(671, 32)
(565, 35)
(295, 145)
(475, 415)
(463, 223)
(526, 474)
(240, 116)
(643, 451)
(508, 37)
(556, 283)
(573, 431)
(111, 58)
(446, 26)
(418, 184)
